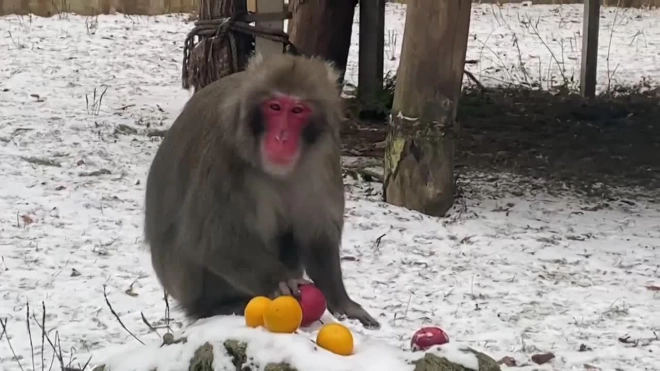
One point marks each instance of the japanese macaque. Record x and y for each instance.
(245, 192)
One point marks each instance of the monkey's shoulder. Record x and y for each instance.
(219, 90)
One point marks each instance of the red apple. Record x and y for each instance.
(427, 337)
(313, 304)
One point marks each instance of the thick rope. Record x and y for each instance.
(222, 33)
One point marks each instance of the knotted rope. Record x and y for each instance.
(220, 47)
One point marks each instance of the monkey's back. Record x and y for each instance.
(179, 155)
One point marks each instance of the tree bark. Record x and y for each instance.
(419, 155)
(211, 58)
(323, 28)
(211, 9)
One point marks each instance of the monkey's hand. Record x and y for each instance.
(290, 287)
(354, 310)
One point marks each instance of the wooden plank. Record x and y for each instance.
(589, 68)
(372, 44)
(263, 46)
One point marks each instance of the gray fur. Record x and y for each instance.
(213, 217)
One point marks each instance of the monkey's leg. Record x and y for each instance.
(217, 298)
(322, 264)
(231, 248)
(248, 265)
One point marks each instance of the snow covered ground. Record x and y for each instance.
(512, 275)
(542, 44)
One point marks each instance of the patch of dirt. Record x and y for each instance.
(614, 140)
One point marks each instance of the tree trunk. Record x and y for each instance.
(212, 58)
(212, 9)
(419, 155)
(323, 28)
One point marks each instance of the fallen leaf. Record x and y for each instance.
(95, 172)
(542, 358)
(27, 219)
(584, 348)
(507, 361)
(130, 291)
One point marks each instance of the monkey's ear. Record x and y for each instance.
(255, 61)
(332, 72)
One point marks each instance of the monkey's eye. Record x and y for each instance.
(297, 109)
(275, 106)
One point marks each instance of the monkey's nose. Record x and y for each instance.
(283, 136)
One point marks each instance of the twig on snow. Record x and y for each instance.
(29, 330)
(639, 342)
(107, 301)
(157, 133)
(378, 241)
(168, 319)
(43, 334)
(471, 76)
(3, 324)
(363, 170)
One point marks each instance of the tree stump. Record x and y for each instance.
(419, 154)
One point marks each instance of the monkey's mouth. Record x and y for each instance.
(280, 151)
(281, 161)
(279, 169)
(281, 158)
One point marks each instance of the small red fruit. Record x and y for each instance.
(313, 304)
(427, 337)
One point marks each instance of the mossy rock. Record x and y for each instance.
(203, 360)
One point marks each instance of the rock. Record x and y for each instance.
(432, 362)
(227, 344)
(203, 360)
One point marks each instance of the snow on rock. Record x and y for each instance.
(298, 351)
(512, 275)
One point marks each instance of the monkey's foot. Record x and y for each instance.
(354, 310)
(290, 287)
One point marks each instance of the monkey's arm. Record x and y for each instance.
(322, 263)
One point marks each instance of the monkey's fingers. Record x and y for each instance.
(290, 287)
(367, 321)
(283, 289)
(354, 310)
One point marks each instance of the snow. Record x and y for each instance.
(542, 44)
(511, 275)
(298, 349)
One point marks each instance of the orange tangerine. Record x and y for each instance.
(283, 315)
(336, 338)
(254, 311)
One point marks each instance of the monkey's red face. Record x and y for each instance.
(285, 118)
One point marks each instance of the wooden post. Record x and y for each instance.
(207, 62)
(419, 153)
(212, 9)
(323, 28)
(372, 45)
(263, 46)
(589, 68)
